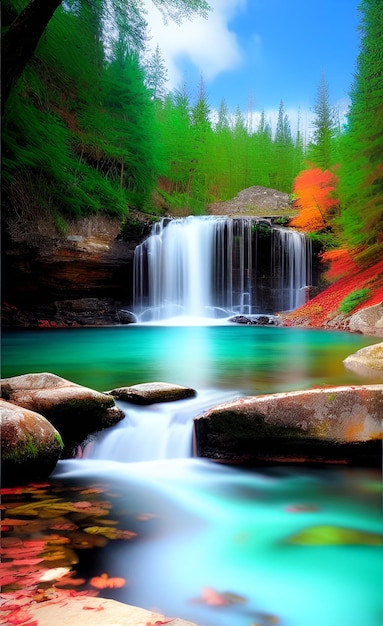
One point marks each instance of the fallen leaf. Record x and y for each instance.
(54, 573)
(212, 597)
(110, 533)
(104, 582)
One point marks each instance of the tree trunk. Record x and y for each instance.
(20, 41)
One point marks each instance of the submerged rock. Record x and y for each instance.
(75, 411)
(342, 424)
(367, 362)
(335, 535)
(150, 393)
(30, 445)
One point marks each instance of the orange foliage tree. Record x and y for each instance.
(314, 191)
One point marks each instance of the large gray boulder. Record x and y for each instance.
(30, 445)
(75, 411)
(367, 361)
(341, 424)
(368, 321)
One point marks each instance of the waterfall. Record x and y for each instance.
(212, 267)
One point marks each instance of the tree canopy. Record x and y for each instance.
(90, 126)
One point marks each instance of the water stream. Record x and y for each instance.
(216, 545)
(207, 531)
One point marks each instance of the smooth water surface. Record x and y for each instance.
(247, 359)
(207, 532)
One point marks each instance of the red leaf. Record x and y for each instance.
(7, 521)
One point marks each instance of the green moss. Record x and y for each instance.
(353, 300)
(30, 449)
(57, 437)
(27, 449)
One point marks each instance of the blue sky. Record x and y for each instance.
(263, 51)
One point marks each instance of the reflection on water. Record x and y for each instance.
(220, 546)
(247, 358)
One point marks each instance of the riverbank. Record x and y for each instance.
(325, 309)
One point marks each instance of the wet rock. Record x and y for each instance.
(75, 411)
(150, 393)
(341, 424)
(367, 362)
(256, 320)
(30, 445)
(368, 321)
(89, 611)
(126, 317)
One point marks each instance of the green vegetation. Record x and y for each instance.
(89, 127)
(353, 300)
(361, 146)
(353, 154)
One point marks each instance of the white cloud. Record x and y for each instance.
(208, 44)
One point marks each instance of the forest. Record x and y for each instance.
(89, 126)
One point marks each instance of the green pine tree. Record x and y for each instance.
(361, 172)
(321, 151)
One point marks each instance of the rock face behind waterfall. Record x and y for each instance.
(340, 424)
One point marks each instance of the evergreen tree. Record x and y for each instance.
(177, 142)
(24, 33)
(321, 149)
(156, 75)
(223, 122)
(130, 126)
(202, 135)
(282, 172)
(221, 162)
(79, 138)
(361, 172)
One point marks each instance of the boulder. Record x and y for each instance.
(150, 393)
(126, 317)
(30, 445)
(75, 411)
(340, 424)
(367, 362)
(256, 320)
(368, 321)
(89, 611)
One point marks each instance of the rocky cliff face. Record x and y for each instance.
(82, 278)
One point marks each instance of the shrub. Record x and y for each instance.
(353, 300)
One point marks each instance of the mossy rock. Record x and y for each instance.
(75, 411)
(30, 445)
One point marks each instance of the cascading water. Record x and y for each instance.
(211, 267)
